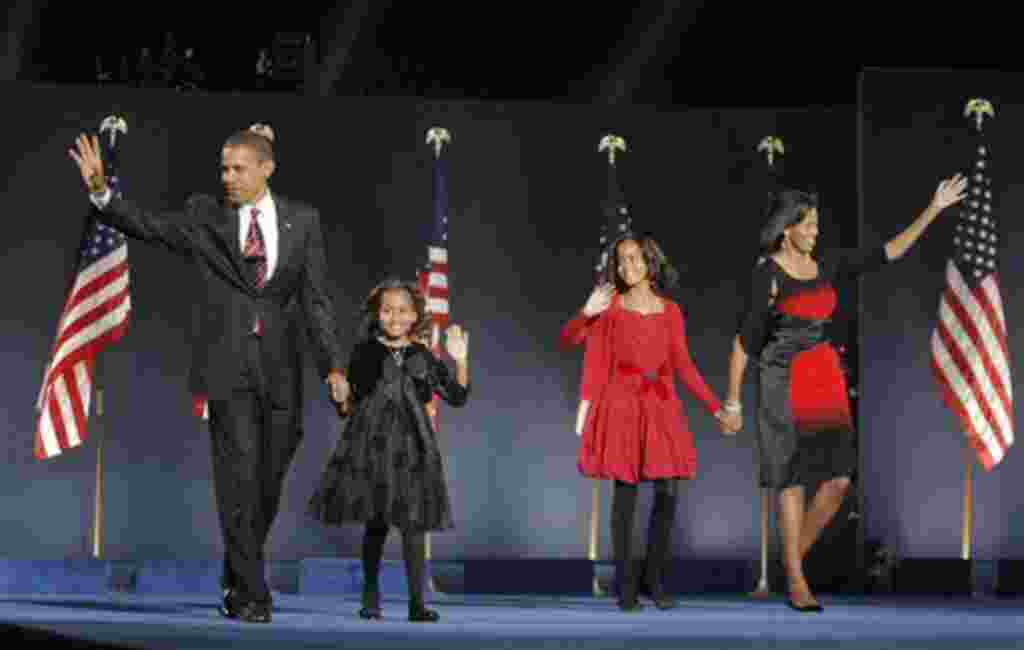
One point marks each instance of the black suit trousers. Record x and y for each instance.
(252, 445)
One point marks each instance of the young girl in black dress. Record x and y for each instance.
(387, 468)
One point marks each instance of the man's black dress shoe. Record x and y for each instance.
(664, 602)
(423, 615)
(228, 608)
(661, 599)
(232, 607)
(254, 613)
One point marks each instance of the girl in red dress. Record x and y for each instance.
(631, 420)
(805, 429)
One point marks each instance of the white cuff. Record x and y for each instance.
(101, 199)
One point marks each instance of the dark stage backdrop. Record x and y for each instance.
(526, 183)
(915, 134)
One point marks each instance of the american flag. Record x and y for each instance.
(615, 218)
(970, 357)
(95, 315)
(433, 278)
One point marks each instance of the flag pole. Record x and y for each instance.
(611, 144)
(595, 504)
(771, 146)
(762, 590)
(97, 510)
(975, 109)
(967, 522)
(112, 125)
(436, 137)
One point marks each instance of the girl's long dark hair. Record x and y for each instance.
(662, 274)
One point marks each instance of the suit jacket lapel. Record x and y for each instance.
(285, 235)
(227, 228)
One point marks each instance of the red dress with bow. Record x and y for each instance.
(633, 427)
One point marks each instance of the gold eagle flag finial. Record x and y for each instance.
(611, 143)
(979, 109)
(114, 124)
(438, 136)
(771, 145)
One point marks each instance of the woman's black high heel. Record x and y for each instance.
(420, 614)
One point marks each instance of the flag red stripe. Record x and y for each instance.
(83, 294)
(970, 327)
(98, 311)
(993, 318)
(968, 373)
(79, 295)
(84, 354)
(77, 401)
(953, 404)
(88, 349)
(57, 418)
(97, 283)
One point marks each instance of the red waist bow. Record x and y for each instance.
(649, 380)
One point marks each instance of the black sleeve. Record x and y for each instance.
(752, 326)
(850, 262)
(317, 303)
(364, 369)
(443, 383)
(169, 230)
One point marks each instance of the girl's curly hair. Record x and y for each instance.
(369, 316)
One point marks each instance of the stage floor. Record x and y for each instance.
(484, 622)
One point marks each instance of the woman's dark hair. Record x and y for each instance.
(662, 274)
(788, 208)
(369, 316)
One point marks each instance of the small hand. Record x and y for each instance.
(343, 409)
(457, 343)
(340, 390)
(87, 155)
(729, 423)
(950, 192)
(599, 300)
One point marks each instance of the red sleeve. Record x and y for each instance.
(575, 331)
(597, 358)
(593, 334)
(684, 366)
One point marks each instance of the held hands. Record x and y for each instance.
(599, 300)
(950, 192)
(457, 343)
(90, 164)
(729, 423)
(730, 417)
(340, 392)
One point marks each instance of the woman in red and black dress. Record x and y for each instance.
(805, 428)
(631, 420)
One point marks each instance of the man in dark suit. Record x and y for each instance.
(263, 267)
